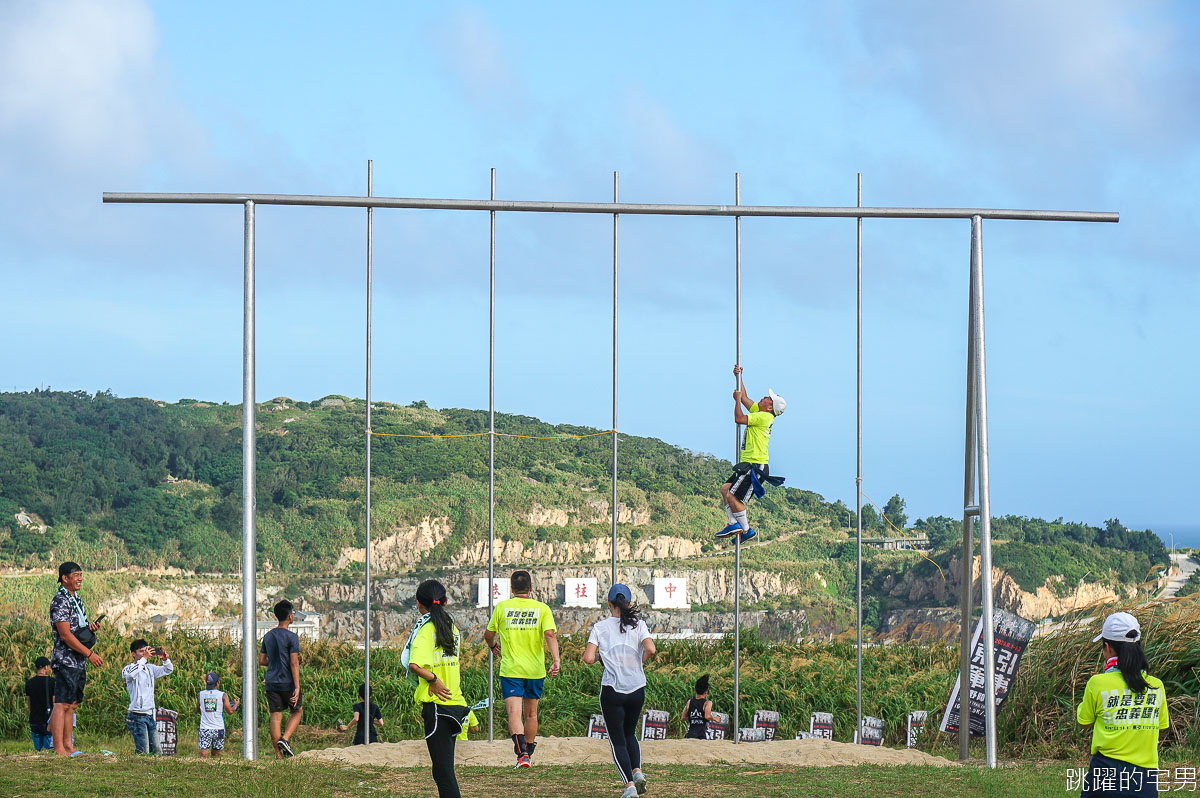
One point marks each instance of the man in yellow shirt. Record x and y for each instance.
(516, 633)
(751, 472)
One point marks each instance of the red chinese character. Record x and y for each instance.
(580, 590)
(670, 588)
(496, 590)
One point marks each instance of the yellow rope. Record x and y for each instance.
(497, 434)
(906, 537)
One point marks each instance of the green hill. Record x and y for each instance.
(139, 482)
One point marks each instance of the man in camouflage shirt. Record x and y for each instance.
(70, 657)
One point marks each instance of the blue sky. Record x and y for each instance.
(1091, 328)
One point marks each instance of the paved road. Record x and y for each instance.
(1187, 566)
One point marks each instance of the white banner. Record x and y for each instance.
(670, 593)
(579, 592)
(501, 590)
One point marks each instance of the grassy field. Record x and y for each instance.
(31, 775)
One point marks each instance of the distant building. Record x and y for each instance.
(306, 625)
(914, 543)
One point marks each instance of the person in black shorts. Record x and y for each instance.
(280, 652)
(698, 711)
(40, 691)
(71, 656)
(752, 473)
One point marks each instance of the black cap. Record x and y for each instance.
(41, 662)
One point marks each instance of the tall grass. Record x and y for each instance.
(794, 679)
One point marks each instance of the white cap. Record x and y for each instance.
(778, 403)
(1121, 627)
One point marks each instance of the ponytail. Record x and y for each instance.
(432, 594)
(630, 614)
(1131, 661)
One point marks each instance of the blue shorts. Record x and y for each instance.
(521, 688)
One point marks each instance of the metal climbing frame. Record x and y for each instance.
(976, 458)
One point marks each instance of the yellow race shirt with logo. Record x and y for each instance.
(522, 624)
(1126, 724)
(426, 653)
(758, 435)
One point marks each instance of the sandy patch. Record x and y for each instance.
(584, 750)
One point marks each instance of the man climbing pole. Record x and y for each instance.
(751, 473)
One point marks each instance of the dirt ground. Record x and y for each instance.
(584, 750)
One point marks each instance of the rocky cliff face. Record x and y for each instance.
(402, 548)
(942, 622)
(512, 552)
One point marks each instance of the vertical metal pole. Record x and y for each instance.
(616, 188)
(858, 477)
(249, 488)
(985, 516)
(737, 536)
(968, 557)
(492, 457)
(365, 718)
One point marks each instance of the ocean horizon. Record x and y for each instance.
(1185, 534)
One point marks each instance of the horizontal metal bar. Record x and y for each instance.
(971, 511)
(613, 207)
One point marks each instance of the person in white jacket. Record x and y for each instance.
(139, 676)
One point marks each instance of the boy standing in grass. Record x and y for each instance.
(40, 691)
(211, 703)
(139, 676)
(280, 652)
(517, 633)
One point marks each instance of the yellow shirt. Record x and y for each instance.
(522, 624)
(758, 435)
(1126, 724)
(467, 724)
(428, 655)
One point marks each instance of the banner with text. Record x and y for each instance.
(1011, 634)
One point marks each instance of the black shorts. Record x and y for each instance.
(740, 485)
(68, 685)
(279, 701)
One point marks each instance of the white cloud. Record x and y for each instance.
(477, 55)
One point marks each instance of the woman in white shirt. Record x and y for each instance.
(623, 643)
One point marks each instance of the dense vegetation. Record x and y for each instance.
(160, 484)
(795, 679)
(137, 482)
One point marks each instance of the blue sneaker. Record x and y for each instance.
(748, 534)
(729, 530)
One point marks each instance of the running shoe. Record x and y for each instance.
(523, 761)
(639, 782)
(729, 530)
(748, 534)
(285, 747)
(630, 792)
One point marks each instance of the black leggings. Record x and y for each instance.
(442, 725)
(622, 711)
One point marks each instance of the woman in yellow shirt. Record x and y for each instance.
(432, 660)
(1125, 707)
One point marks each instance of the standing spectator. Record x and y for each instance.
(281, 654)
(359, 714)
(519, 631)
(213, 703)
(431, 657)
(139, 676)
(1125, 707)
(622, 642)
(71, 656)
(40, 690)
